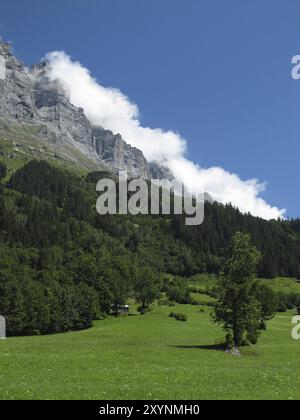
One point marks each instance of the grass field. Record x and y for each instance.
(283, 284)
(151, 357)
(280, 284)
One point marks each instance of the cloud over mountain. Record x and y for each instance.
(110, 108)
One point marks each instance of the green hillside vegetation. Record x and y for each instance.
(20, 145)
(283, 284)
(64, 266)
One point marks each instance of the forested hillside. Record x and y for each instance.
(63, 265)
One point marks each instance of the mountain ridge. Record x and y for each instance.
(29, 101)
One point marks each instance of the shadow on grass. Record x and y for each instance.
(214, 347)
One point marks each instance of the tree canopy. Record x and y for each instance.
(242, 305)
(63, 265)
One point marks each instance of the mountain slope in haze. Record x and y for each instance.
(36, 114)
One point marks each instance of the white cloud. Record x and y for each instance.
(111, 109)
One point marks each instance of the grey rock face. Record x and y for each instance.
(28, 97)
(65, 122)
(119, 156)
(160, 172)
(16, 94)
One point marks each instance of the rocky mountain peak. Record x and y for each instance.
(28, 98)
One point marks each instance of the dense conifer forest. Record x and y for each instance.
(63, 265)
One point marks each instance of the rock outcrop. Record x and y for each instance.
(17, 103)
(29, 99)
(120, 156)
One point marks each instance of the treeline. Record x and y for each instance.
(281, 301)
(58, 270)
(277, 240)
(63, 265)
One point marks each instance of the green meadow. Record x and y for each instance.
(151, 357)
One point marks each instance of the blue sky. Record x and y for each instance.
(217, 72)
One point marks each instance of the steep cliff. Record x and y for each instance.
(35, 111)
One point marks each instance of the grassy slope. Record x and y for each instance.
(283, 284)
(141, 357)
(279, 284)
(202, 299)
(150, 357)
(18, 145)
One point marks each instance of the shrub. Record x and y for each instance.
(143, 309)
(178, 317)
(181, 317)
(288, 301)
(178, 291)
(282, 307)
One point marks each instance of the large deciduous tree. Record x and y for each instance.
(241, 307)
(146, 289)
